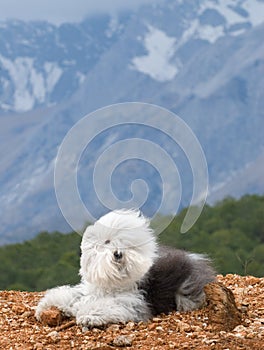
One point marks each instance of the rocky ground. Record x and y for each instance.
(224, 323)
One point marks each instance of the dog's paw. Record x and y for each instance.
(89, 321)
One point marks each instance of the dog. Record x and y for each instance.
(126, 276)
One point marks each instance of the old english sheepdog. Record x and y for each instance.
(125, 276)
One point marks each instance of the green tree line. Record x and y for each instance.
(231, 233)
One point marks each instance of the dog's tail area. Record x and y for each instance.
(190, 295)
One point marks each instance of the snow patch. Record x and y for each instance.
(255, 10)
(223, 7)
(160, 49)
(113, 27)
(38, 85)
(20, 71)
(210, 33)
(31, 86)
(81, 77)
(238, 32)
(54, 73)
(204, 32)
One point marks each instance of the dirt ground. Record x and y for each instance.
(219, 325)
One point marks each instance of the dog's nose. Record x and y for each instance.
(118, 255)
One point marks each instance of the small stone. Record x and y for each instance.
(247, 321)
(161, 341)
(54, 335)
(250, 335)
(152, 326)
(51, 317)
(240, 335)
(130, 325)
(113, 327)
(26, 314)
(18, 309)
(239, 328)
(172, 345)
(159, 329)
(253, 280)
(95, 330)
(210, 341)
(123, 340)
(185, 327)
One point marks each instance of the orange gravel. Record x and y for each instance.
(191, 330)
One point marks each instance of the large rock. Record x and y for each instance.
(223, 313)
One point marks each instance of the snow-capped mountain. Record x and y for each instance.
(206, 21)
(203, 60)
(42, 64)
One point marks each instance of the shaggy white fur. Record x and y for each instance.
(122, 275)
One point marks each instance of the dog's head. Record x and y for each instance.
(117, 250)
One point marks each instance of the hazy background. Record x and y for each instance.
(64, 11)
